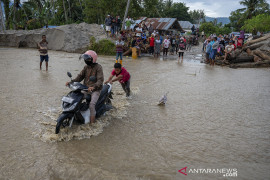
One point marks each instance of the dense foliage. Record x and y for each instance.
(252, 18)
(104, 46)
(211, 28)
(33, 14)
(258, 23)
(251, 9)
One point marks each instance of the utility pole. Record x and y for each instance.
(2, 23)
(124, 20)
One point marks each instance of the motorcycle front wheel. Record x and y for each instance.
(62, 120)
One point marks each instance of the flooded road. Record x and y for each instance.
(214, 117)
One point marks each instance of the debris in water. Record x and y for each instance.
(163, 99)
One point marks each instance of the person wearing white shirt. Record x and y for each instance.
(139, 31)
(229, 51)
(166, 45)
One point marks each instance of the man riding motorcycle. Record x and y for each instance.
(94, 70)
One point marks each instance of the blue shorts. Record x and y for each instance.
(42, 58)
(119, 55)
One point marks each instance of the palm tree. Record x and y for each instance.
(14, 15)
(38, 10)
(254, 7)
(65, 10)
(2, 21)
(7, 11)
(16, 5)
(69, 9)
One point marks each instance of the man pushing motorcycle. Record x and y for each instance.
(94, 70)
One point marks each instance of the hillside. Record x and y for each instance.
(223, 20)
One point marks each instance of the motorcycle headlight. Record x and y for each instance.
(72, 87)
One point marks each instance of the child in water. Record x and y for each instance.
(122, 75)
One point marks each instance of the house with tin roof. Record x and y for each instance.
(163, 25)
(186, 25)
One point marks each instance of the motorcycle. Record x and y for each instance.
(75, 104)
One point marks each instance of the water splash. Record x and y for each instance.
(46, 133)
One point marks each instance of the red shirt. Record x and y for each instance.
(124, 73)
(152, 41)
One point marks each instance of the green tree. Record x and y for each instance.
(177, 10)
(97, 11)
(254, 7)
(223, 30)
(7, 12)
(150, 8)
(208, 28)
(16, 5)
(236, 20)
(258, 23)
(197, 16)
(65, 11)
(37, 13)
(68, 11)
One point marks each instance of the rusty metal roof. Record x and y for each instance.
(162, 23)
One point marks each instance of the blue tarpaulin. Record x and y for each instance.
(50, 26)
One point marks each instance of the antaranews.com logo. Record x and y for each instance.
(225, 172)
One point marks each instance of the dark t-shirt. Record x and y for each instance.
(135, 27)
(133, 44)
(118, 22)
(113, 21)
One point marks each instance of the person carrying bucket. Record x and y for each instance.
(119, 50)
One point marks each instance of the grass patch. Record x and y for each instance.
(103, 47)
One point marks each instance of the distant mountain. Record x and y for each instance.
(223, 20)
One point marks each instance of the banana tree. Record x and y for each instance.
(2, 21)
(40, 11)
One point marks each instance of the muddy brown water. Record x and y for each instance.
(214, 116)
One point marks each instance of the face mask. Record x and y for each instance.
(89, 63)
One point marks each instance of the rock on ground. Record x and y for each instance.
(69, 38)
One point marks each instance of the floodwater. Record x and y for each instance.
(214, 117)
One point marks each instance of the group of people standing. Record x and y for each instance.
(222, 45)
(149, 40)
(170, 44)
(155, 44)
(113, 25)
(167, 44)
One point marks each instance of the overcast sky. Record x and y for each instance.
(214, 8)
